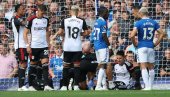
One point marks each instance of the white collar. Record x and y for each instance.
(102, 18)
(145, 17)
(73, 16)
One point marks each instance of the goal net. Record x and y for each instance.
(120, 22)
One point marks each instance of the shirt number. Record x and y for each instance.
(96, 33)
(73, 32)
(149, 35)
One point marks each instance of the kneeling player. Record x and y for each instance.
(122, 71)
(88, 65)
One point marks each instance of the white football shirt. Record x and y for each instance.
(73, 27)
(38, 28)
(18, 30)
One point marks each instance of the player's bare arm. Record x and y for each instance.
(105, 38)
(132, 36)
(48, 36)
(60, 32)
(85, 33)
(26, 40)
(160, 36)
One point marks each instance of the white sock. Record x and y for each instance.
(100, 77)
(104, 80)
(111, 84)
(145, 77)
(151, 77)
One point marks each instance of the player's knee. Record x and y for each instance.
(23, 65)
(103, 65)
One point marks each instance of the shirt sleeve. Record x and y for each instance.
(48, 23)
(28, 24)
(62, 24)
(84, 25)
(103, 27)
(137, 24)
(18, 21)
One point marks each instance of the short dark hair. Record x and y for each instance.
(121, 53)
(17, 7)
(126, 12)
(136, 6)
(129, 52)
(102, 11)
(117, 2)
(42, 7)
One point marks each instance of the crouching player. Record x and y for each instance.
(122, 72)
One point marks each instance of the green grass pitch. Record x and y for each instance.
(115, 93)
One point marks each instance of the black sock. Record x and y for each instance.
(21, 76)
(32, 75)
(65, 76)
(39, 72)
(137, 77)
(76, 75)
(45, 73)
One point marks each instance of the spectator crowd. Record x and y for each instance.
(120, 22)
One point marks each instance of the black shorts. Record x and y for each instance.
(39, 53)
(85, 67)
(21, 55)
(70, 57)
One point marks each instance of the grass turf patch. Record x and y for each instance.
(118, 93)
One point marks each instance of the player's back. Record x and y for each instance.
(73, 28)
(146, 30)
(100, 27)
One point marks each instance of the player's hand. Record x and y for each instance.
(162, 72)
(29, 49)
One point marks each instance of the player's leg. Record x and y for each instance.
(92, 67)
(66, 67)
(22, 57)
(136, 74)
(82, 83)
(45, 61)
(100, 72)
(76, 61)
(84, 66)
(142, 59)
(151, 60)
(110, 75)
(34, 58)
(103, 59)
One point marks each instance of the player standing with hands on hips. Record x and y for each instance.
(145, 29)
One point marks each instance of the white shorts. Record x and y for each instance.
(102, 55)
(145, 55)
